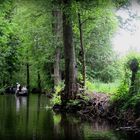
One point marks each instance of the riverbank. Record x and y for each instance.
(100, 105)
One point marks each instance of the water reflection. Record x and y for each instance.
(20, 102)
(72, 128)
(28, 118)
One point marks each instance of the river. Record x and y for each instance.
(31, 118)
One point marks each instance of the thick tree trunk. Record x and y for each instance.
(82, 52)
(69, 53)
(57, 77)
(28, 77)
(56, 27)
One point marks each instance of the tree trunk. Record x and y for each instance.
(28, 77)
(134, 66)
(132, 89)
(82, 52)
(39, 82)
(69, 54)
(57, 77)
(56, 27)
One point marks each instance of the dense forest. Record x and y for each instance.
(63, 48)
(33, 35)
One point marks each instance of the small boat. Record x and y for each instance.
(22, 92)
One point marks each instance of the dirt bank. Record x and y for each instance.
(99, 105)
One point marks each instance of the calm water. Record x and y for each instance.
(31, 118)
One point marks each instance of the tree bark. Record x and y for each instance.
(39, 82)
(57, 77)
(82, 52)
(56, 27)
(69, 54)
(28, 77)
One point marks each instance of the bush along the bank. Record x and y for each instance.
(72, 106)
(126, 103)
(56, 100)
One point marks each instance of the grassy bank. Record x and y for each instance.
(97, 86)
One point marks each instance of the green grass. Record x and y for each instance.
(97, 86)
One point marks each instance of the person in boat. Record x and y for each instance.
(18, 88)
(24, 89)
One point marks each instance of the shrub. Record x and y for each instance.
(57, 95)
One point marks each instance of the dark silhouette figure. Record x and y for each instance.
(134, 66)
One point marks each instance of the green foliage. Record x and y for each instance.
(34, 30)
(78, 102)
(131, 55)
(2, 90)
(8, 44)
(121, 94)
(56, 99)
(59, 87)
(120, 3)
(57, 95)
(26, 38)
(98, 25)
(132, 102)
(97, 86)
(73, 102)
(123, 97)
(128, 73)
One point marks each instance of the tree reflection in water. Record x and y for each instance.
(71, 127)
(27, 118)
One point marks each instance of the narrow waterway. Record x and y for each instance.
(31, 118)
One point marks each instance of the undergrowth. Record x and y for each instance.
(97, 86)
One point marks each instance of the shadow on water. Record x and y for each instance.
(28, 118)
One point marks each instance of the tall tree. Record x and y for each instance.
(82, 52)
(69, 54)
(98, 25)
(57, 33)
(35, 41)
